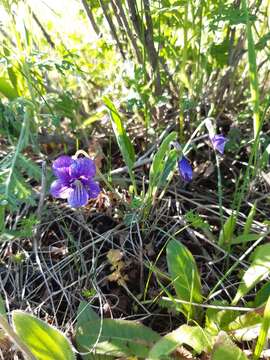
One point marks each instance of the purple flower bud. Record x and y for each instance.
(185, 169)
(75, 180)
(218, 142)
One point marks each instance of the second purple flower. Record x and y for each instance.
(218, 142)
(185, 169)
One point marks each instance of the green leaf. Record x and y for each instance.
(258, 271)
(226, 233)
(85, 314)
(162, 166)
(7, 90)
(29, 167)
(263, 332)
(250, 219)
(217, 319)
(157, 164)
(224, 348)
(262, 295)
(115, 338)
(184, 274)
(244, 238)
(3, 308)
(244, 321)
(44, 341)
(124, 143)
(193, 336)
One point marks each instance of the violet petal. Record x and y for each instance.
(59, 190)
(185, 169)
(83, 167)
(78, 196)
(218, 142)
(61, 167)
(94, 189)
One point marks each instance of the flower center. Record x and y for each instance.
(78, 183)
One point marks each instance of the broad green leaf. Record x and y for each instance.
(184, 274)
(225, 349)
(218, 319)
(263, 332)
(245, 327)
(85, 314)
(244, 321)
(258, 271)
(6, 89)
(116, 338)
(262, 295)
(193, 336)
(124, 143)
(44, 341)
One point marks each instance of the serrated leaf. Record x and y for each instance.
(184, 274)
(44, 341)
(193, 336)
(115, 338)
(257, 271)
(29, 167)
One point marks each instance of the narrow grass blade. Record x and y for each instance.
(123, 141)
(253, 75)
(263, 332)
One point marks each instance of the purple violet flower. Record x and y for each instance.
(218, 142)
(75, 180)
(185, 169)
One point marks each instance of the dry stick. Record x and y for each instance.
(105, 9)
(90, 16)
(128, 30)
(146, 38)
(6, 36)
(117, 15)
(44, 31)
(149, 41)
